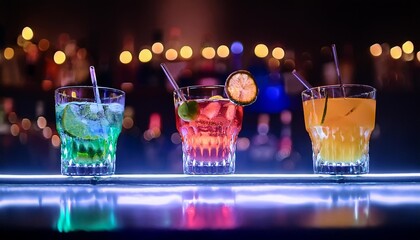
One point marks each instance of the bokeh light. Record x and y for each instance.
(176, 138)
(261, 50)
(8, 53)
(286, 117)
(43, 45)
(278, 53)
(55, 141)
(59, 57)
(208, 53)
(145, 55)
(243, 144)
(26, 124)
(186, 52)
(27, 33)
(47, 132)
(41, 122)
(157, 48)
(223, 51)
(14, 129)
(375, 50)
(20, 41)
(126, 57)
(396, 52)
(408, 47)
(171, 54)
(128, 122)
(236, 47)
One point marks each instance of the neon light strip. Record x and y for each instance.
(217, 178)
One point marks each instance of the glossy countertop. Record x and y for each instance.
(172, 206)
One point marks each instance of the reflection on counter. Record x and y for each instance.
(84, 210)
(209, 208)
(190, 207)
(348, 209)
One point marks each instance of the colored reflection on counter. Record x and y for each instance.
(116, 207)
(86, 211)
(344, 209)
(211, 208)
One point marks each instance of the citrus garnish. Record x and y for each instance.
(188, 110)
(77, 125)
(241, 88)
(215, 97)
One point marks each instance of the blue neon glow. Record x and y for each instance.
(236, 47)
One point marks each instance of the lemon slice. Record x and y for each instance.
(188, 110)
(241, 88)
(215, 97)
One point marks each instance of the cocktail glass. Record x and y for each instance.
(340, 120)
(88, 130)
(209, 137)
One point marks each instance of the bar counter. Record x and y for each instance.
(176, 206)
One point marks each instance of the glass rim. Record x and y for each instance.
(345, 85)
(200, 86)
(59, 92)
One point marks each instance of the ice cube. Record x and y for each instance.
(90, 111)
(211, 110)
(116, 107)
(114, 113)
(113, 118)
(230, 112)
(96, 127)
(94, 108)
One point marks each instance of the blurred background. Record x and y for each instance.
(45, 44)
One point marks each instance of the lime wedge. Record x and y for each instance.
(76, 125)
(188, 110)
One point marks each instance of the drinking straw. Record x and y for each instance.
(301, 80)
(304, 83)
(337, 69)
(95, 84)
(173, 82)
(97, 98)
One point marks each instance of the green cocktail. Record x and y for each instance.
(88, 130)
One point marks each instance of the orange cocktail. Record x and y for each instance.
(339, 121)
